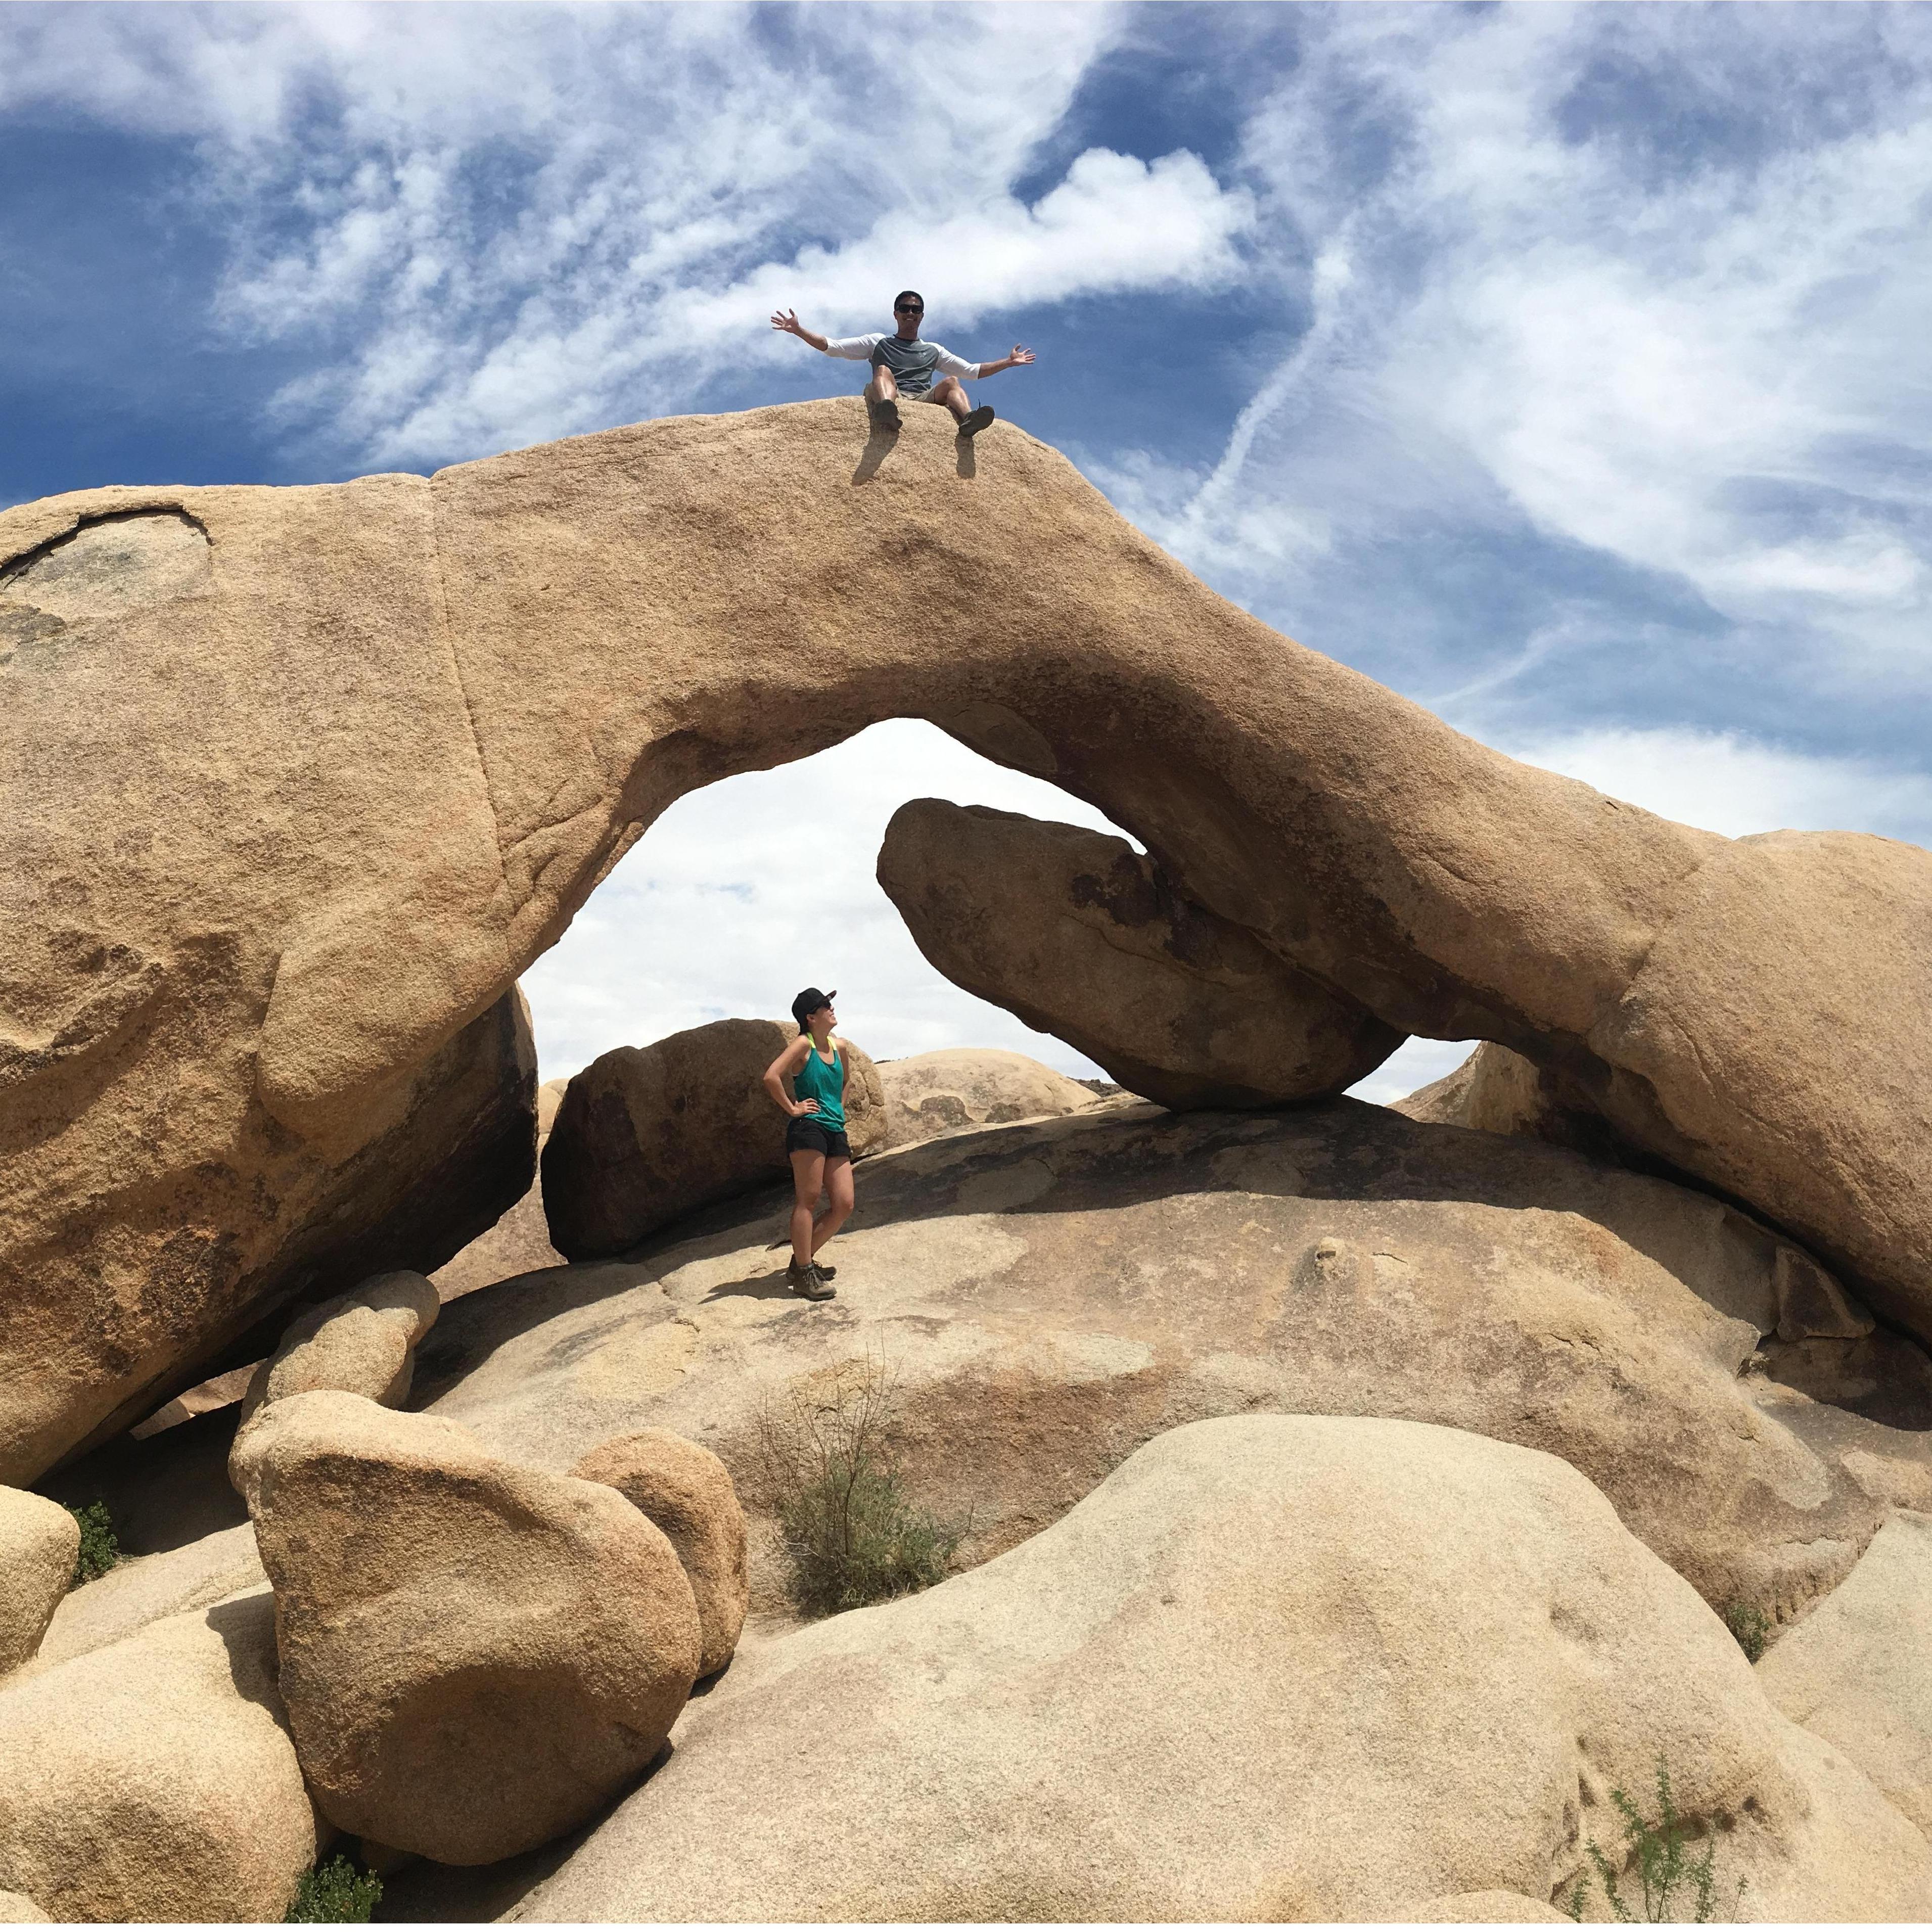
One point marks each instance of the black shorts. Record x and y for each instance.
(805, 1136)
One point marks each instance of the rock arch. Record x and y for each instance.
(344, 788)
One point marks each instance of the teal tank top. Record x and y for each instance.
(815, 1081)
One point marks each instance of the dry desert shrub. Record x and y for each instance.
(852, 1536)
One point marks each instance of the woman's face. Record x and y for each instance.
(824, 1020)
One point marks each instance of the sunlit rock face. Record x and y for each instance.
(299, 781)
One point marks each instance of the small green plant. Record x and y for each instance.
(335, 1894)
(1750, 1627)
(852, 1535)
(99, 1548)
(1665, 1870)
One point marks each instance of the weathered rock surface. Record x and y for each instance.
(1501, 1093)
(371, 745)
(1237, 1683)
(1855, 1671)
(153, 1779)
(363, 1342)
(475, 1656)
(1081, 937)
(1051, 1294)
(646, 1133)
(686, 1491)
(1482, 1908)
(39, 1541)
(17, 1909)
(519, 1242)
(143, 1590)
(930, 1093)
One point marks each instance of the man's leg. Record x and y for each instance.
(950, 390)
(882, 397)
(839, 1190)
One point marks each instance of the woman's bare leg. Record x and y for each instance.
(839, 1191)
(807, 1177)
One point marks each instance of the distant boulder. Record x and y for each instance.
(646, 1133)
(929, 1093)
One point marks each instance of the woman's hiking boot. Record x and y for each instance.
(808, 1282)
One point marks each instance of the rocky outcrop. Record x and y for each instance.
(371, 745)
(153, 1779)
(1236, 1683)
(1083, 938)
(930, 1093)
(1050, 1295)
(1854, 1671)
(1500, 1092)
(363, 1342)
(520, 1243)
(646, 1133)
(39, 1541)
(475, 1657)
(687, 1493)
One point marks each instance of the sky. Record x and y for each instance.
(1566, 369)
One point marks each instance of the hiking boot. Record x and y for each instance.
(885, 416)
(825, 1270)
(808, 1282)
(971, 426)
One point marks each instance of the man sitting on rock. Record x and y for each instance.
(904, 366)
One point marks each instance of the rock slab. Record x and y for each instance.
(929, 1093)
(475, 1656)
(1236, 1683)
(1855, 1671)
(1083, 938)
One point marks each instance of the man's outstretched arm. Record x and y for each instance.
(786, 320)
(1018, 359)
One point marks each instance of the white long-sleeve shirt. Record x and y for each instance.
(913, 363)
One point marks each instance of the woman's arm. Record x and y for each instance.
(781, 1069)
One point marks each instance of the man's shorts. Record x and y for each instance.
(805, 1136)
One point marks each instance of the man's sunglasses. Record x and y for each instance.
(908, 308)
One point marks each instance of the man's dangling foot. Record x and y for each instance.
(971, 425)
(885, 414)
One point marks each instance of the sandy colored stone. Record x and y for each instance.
(39, 1541)
(1237, 1682)
(142, 1590)
(519, 1242)
(687, 1492)
(1482, 1908)
(153, 1779)
(17, 1909)
(929, 1093)
(475, 1656)
(1052, 1294)
(1081, 937)
(1855, 1670)
(286, 823)
(647, 1133)
(1500, 1092)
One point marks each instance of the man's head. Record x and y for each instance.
(908, 311)
(809, 1004)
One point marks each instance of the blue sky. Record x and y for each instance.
(1567, 370)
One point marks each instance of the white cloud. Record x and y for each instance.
(745, 891)
(1730, 784)
(491, 226)
(1706, 362)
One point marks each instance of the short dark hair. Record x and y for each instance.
(913, 293)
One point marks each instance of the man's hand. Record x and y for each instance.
(1019, 359)
(787, 318)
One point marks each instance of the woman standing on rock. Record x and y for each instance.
(821, 1157)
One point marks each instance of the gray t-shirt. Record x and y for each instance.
(913, 363)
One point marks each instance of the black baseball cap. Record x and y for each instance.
(809, 1001)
